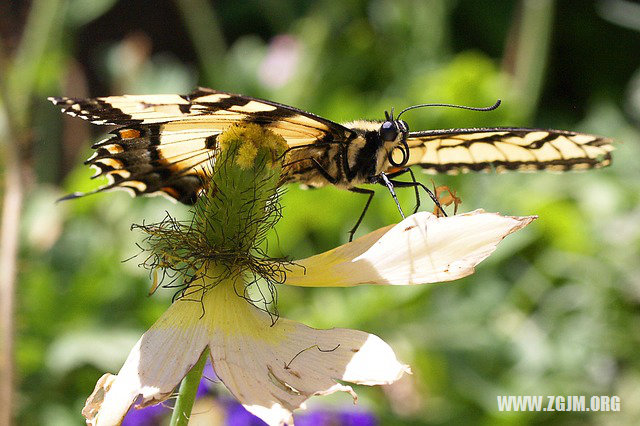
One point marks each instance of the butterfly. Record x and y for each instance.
(165, 143)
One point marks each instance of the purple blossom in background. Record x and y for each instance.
(337, 418)
(357, 418)
(281, 61)
(209, 380)
(238, 416)
(148, 416)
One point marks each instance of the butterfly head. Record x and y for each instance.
(393, 134)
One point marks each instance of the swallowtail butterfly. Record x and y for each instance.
(164, 144)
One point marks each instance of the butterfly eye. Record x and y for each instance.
(388, 131)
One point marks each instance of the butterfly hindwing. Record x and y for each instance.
(168, 142)
(482, 149)
(148, 159)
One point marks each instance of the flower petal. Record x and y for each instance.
(270, 369)
(423, 248)
(274, 369)
(155, 366)
(271, 380)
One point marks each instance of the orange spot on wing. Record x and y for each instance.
(171, 191)
(129, 133)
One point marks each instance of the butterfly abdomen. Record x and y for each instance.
(314, 165)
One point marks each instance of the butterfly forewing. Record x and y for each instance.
(168, 142)
(462, 150)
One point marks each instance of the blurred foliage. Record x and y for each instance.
(554, 312)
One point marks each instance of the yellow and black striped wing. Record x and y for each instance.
(167, 143)
(501, 149)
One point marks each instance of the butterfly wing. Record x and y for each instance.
(501, 149)
(167, 143)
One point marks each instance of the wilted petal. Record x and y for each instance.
(271, 379)
(421, 249)
(270, 369)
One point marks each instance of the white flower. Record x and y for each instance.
(273, 370)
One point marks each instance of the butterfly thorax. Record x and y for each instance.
(368, 153)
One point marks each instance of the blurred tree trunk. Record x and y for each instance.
(18, 75)
(527, 51)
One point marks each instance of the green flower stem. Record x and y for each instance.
(187, 392)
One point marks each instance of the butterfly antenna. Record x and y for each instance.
(490, 108)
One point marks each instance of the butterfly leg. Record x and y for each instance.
(415, 184)
(333, 181)
(370, 193)
(413, 180)
(383, 179)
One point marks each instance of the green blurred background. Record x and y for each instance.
(555, 311)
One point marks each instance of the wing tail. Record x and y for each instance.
(147, 160)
